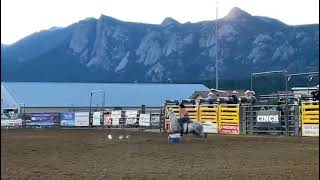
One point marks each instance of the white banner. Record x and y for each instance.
(144, 120)
(96, 118)
(82, 119)
(115, 116)
(115, 113)
(11, 122)
(131, 116)
(131, 113)
(209, 127)
(115, 121)
(310, 130)
(131, 120)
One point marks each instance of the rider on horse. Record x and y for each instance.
(184, 119)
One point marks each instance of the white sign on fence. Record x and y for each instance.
(310, 130)
(131, 116)
(155, 119)
(115, 116)
(115, 121)
(82, 119)
(11, 122)
(96, 118)
(116, 113)
(144, 120)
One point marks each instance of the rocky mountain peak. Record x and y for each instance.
(236, 12)
(108, 18)
(112, 50)
(169, 21)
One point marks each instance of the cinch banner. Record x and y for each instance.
(268, 118)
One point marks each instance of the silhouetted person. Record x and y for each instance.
(315, 94)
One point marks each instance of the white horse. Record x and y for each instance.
(190, 127)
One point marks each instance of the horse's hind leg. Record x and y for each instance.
(196, 134)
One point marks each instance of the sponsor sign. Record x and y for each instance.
(229, 129)
(11, 119)
(115, 121)
(107, 120)
(96, 118)
(9, 116)
(144, 120)
(67, 119)
(310, 130)
(82, 119)
(115, 116)
(268, 118)
(209, 127)
(155, 119)
(11, 122)
(131, 116)
(40, 119)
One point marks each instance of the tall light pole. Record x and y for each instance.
(217, 74)
(24, 107)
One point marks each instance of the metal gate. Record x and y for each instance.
(270, 119)
(208, 116)
(229, 118)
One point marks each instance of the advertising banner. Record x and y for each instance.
(115, 121)
(115, 116)
(209, 127)
(107, 120)
(131, 116)
(8, 116)
(310, 130)
(229, 129)
(82, 119)
(155, 119)
(67, 119)
(144, 120)
(268, 118)
(11, 119)
(11, 122)
(96, 118)
(40, 119)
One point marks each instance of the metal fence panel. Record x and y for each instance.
(270, 119)
(229, 121)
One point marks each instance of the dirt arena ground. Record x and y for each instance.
(88, 154)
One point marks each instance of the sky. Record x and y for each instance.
(20, 18)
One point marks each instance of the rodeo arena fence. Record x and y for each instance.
(226, 115)
(290, 117)
(100, 119)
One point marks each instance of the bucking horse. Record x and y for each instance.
(191, 127)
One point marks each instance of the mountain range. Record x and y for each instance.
(109, 50)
